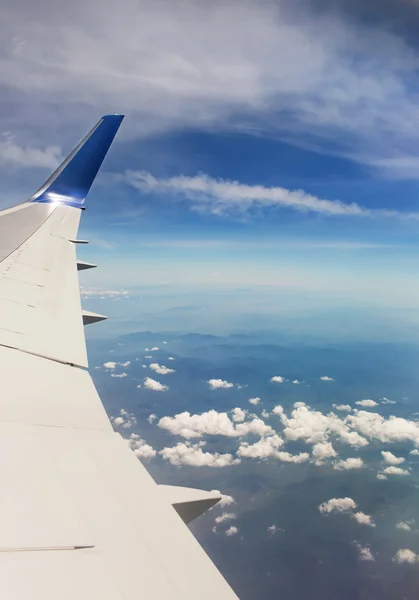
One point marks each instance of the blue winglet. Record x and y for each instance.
(71, 182)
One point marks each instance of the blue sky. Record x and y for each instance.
(265, 144)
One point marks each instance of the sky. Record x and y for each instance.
(265, 143)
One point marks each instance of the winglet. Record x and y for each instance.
(71, 182)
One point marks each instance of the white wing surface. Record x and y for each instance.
(80, 517)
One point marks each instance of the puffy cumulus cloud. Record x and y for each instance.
(161, 369)
(110, 365)
(299, 404)
(119, 375)
(125, 364)
(387, 401)
(231, 531)
(312, 426)
(342, 407)
(278, 410)
(403, 526)
(226, 499)
(140, 448)
(381, 476)
(171, 358)
(264, 448)
(292, 458)
(337, 505)
(321, 451)
(296, 382)
(212, 423)
(124, 419)
(277, 379)
(396, 471)
(238, 415)
(364, 552)
(216, 384)
(266, 414)
(154, 349)
(374, 426)
(225, 517)
(367, 403)
(326, 378)
(207, 423)
(193, 455)
(151, 418)
(153, 385)
(391, 459)
(255, 400)
(404, 555)
(414, 452)
(363, 519)
(349, 463)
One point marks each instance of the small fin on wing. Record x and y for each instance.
(71, 182)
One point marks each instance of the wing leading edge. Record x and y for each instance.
(80, 517)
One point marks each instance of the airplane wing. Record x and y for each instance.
(80, 517)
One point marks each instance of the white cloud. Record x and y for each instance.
(374, 426)
(125, 419)
(88, 293)
(342, 407)
(349, 463)
(148, 356)
(396, 471)
(225, 517)
(231, 531)
(226, 500)
(404, 555)
(391, 459)
(278, 410)
(171, 358)
(363, 519)
(403, 526)
(326, 378)
(161, 369)
(264, 448)
(12, 153)
(266, 414)
(125, 364)
(367, 403)
(193, 455)
(292, 458)
(277, 379)
(119, 375)
(387, 401)
(323, 450)
(155, 386)
(414, 452)
(296, 382)
(299, 404)
(337, 505)
(110, 365)
(146, 349)
(381, 476)
(219, 383)
(238, 415)
(151, 418)
(140, 448)
(155, 349)
(313, 426)
(255, 400)
(272, 529)
(364, 553)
